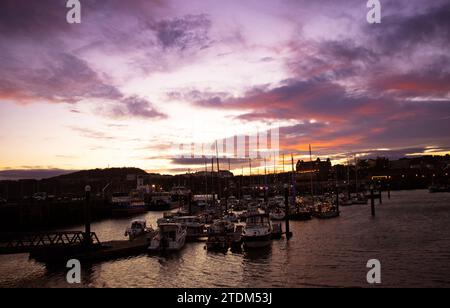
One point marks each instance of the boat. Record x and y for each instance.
(300, 213)
(345, 200)
(123, 204)
(170, 237)
(180, 196)
(439, 188)
(219, 234)
(360, 198)
(138, 228)
(277, 214)
(161, 201)
(195, 228)
(325, 210)
(257, 231)
(231, 217)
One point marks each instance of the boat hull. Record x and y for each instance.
(257, 241)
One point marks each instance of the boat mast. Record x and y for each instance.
(251, 183)
(265, 180)
(293, 177)
(206, 180)
(348, 178)
(218, 172)
(212, 179)
(311, 173)
(356, 174)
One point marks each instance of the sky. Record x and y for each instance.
(137, 78)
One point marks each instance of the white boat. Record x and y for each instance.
(257, 231)
(277, 214)
(194, 226)
(170, 237)
(137, 228)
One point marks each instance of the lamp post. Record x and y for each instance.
(87, 215)
(372, 200)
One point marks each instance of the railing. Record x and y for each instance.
(11, 243)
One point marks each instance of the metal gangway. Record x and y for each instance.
(14, 243)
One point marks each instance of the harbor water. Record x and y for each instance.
(410, 236)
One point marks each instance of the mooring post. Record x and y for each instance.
(372, 200)
(87, 215)
(381, 197)
(286, 210)
(337, 198)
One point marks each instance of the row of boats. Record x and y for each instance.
(228, 226)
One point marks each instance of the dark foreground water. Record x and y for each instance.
(410, 236)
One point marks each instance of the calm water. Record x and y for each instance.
(410, 236)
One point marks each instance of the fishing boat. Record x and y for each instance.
(170, 237)
(123, 204)
(257, 231)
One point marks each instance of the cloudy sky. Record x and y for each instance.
(136, 77)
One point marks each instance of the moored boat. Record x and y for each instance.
(257, 231)
(170, 237)
(277, 214)
(219, 234)
(138, 228)
(123, 204)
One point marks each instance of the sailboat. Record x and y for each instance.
(323, 209)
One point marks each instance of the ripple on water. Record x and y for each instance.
(410, 236)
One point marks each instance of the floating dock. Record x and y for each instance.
(94, 253)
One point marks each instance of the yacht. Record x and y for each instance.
(137, 229)
(257, 231)
(218, 235)
(277, 214)
(195, 228)
(170, 237)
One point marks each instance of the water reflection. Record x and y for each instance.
(410, 236)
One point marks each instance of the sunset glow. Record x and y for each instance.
(132, 80)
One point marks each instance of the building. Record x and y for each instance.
(321, 169)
